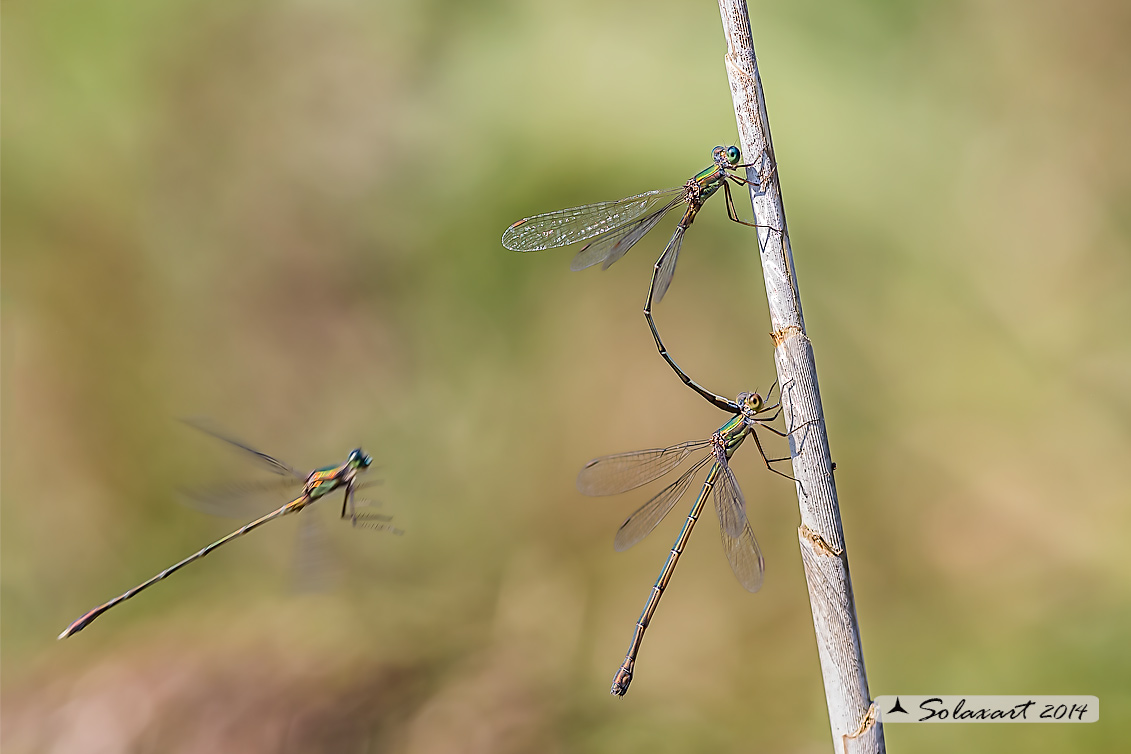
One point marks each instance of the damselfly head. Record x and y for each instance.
(751, 403)
(727, 155)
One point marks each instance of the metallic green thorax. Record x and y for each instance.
(710, 179)
(733, 433)
(325, 480)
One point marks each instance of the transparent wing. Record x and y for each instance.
(612, 475)
(274, 465)
(246, 498)
(729, 503)
(667, 264)
(739, 544)
(240, 499)
(616, 243)
(567, 226)
(641, 523)
(314, 567)
(745, 558)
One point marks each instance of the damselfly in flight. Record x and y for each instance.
(616, 226)
(315, 486)
(611, 475)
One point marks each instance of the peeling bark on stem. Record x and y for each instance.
(823, 551)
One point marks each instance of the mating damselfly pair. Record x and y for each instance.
(612, 228)
(316, 485)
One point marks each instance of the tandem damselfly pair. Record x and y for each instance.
(612, 228)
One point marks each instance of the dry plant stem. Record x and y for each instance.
(821, 536)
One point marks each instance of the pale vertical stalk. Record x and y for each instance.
(821, 536)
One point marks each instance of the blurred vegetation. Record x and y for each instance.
(286, 216)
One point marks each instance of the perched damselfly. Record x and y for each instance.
(315, 486)
(616, 226)
(612, 475)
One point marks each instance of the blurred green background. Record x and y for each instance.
(286, 216)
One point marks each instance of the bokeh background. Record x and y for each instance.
(285, 216)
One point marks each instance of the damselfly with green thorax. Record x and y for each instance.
(315, 486)
(616, 226)
(611, 475)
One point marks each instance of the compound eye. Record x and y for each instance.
(733, 155)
